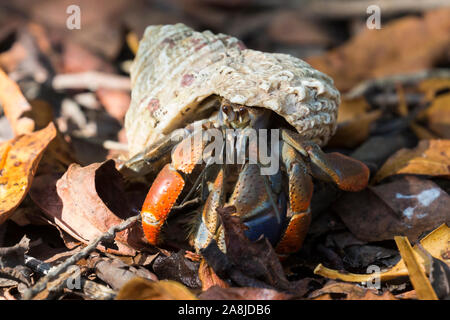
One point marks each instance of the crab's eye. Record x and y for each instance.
(228, 110)
(243, 114)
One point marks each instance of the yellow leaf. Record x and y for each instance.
(430, 157)
(132, 42)
(350, 109)
(421, 132)
(19, 159)
(417, 275)
(430, 86)
(143, 289)
(438, 116)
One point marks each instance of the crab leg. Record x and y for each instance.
(253, 205)
(159, 151)
(300, 194)
(209, 219)
(348, 174)
(169, 184)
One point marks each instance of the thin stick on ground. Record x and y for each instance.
(56, 271)
(91, 80)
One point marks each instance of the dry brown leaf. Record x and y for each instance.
(433, 85)
(351, 292)
(436, 243)
(354, 122)
(421, 132)
(209, 278)
(408, 295)
(219, 293)
(417, 275)
(407, 206)
(430, 157)
(438, 116)
(19, 160)
(15, 105)
(59, 154)
(143, 289)
(404, 45)
(86, 202)
(350, 109)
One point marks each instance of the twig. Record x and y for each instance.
(91, 80)
(18, 249)
(91, 289)
(56, 271)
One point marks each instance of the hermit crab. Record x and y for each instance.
(186, 84)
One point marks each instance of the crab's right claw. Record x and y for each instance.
(169, 184)
(159, 201)
(348, 174)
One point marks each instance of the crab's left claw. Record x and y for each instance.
(348, 174)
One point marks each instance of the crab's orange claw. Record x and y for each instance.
(159, 201)
(349, 174)
(294, 235)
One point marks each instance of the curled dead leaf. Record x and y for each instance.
(419, 280)
(19, 160)
(430, 157)
(86, 201)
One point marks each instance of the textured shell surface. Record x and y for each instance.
(176, 68)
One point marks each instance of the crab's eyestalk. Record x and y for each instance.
(234, 116)
(238, 116)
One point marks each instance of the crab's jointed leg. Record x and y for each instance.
(300, 194)
(348, 174)
(209, 219)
